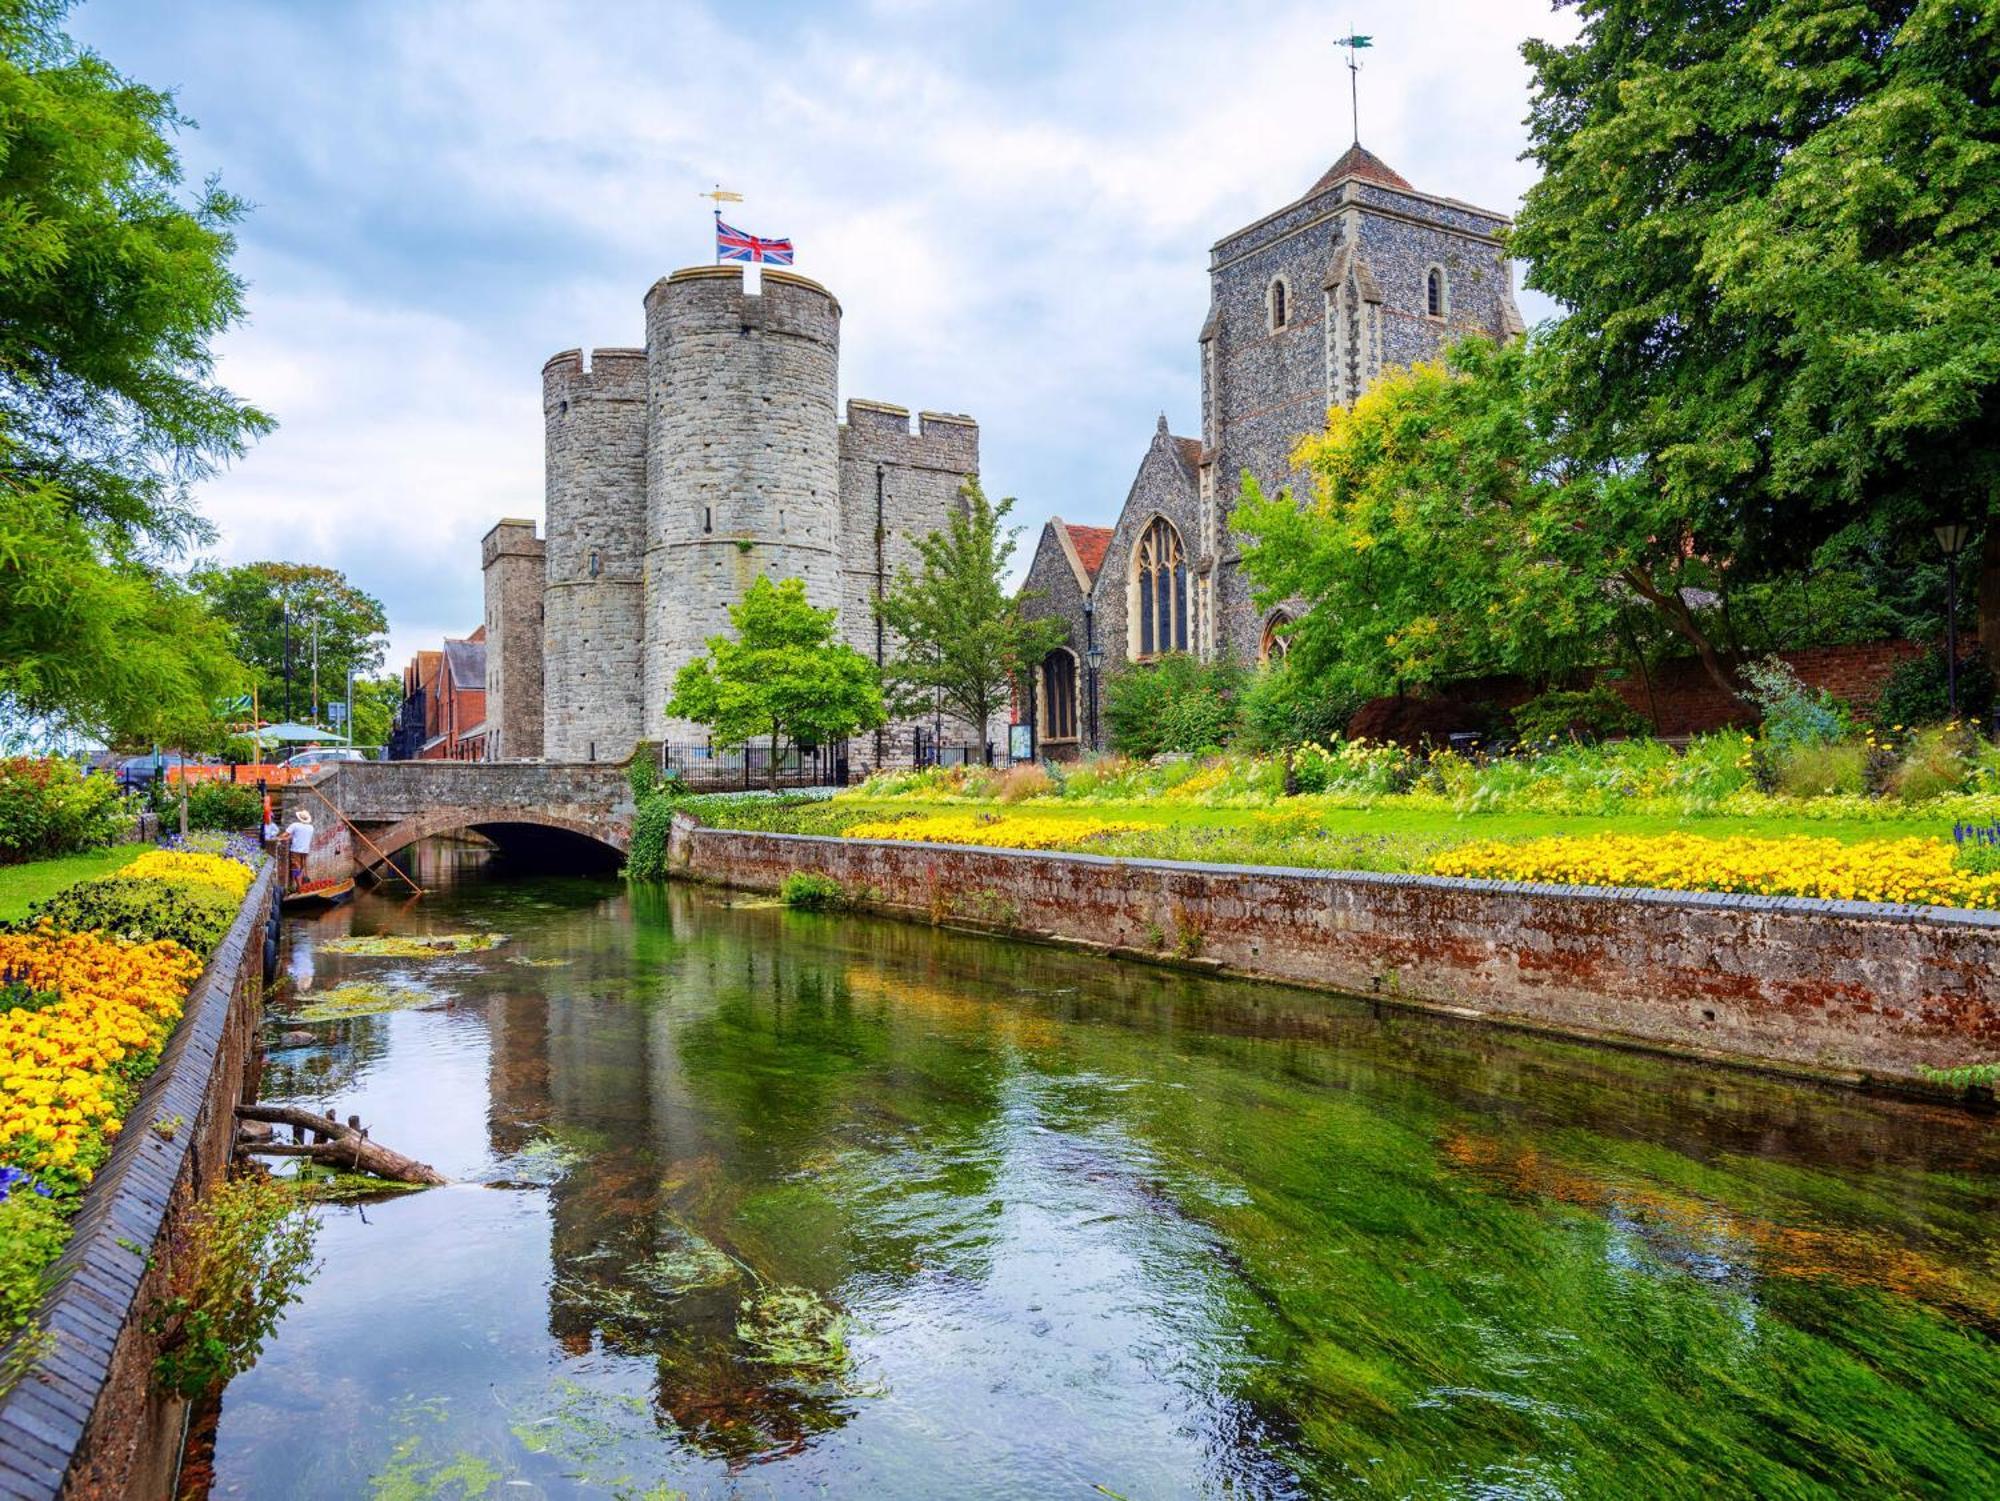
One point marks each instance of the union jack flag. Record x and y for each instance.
(735, 245)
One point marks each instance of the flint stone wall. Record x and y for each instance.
(1857, 991)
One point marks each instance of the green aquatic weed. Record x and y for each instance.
(412, 945)
(361, 998)
(796, 1328)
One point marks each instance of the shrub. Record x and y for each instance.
(224, 805)
(652, 822)
(141, 909)
(1283, 707)
(1794, 714)
(1178, 703)
(1917, 691)
(1594, 713)
(249, 1253)
(1018, 783)
(48, 807)
(810, 892)
(1821, 770)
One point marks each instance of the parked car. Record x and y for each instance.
(136, 773)
(320, 756)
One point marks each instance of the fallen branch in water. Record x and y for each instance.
(341, 1146)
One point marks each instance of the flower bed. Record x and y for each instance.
(84, 1014)
(1920, 871)
(995, 830)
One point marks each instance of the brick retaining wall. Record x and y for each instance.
(1857, 991)
(84, 1420)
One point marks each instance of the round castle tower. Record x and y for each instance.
(593, 606)
(743, 460)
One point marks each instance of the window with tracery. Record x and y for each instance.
(1059, 695)
(1159, 570)
(1276, 643)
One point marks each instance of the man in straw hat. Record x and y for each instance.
(298, 845)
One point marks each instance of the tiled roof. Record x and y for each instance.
(1191, 451)
(467, 660)
(1359, 161)
(1091, 543)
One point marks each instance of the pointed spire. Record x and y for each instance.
(1359, 161)
(1163, 424)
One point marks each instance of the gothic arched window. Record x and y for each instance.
(1436, 293)
(1159, 576)
(1277, 299)
(1059, 695)
(1276, 644)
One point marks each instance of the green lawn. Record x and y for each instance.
(21, 886)
(1391, 835)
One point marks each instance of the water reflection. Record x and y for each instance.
(754, 1203)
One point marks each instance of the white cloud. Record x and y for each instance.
(1014, 206)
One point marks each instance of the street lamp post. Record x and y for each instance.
(1951, 539)
(1093, 657)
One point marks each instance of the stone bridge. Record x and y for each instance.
(574, 809)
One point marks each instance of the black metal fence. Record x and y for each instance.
(927, 751)
(705, 768)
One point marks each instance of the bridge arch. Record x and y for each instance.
(612, 836)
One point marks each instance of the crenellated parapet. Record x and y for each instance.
(680, 472)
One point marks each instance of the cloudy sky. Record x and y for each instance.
(1013, 202)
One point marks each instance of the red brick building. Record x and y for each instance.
(444, 704)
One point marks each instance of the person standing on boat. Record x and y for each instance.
(298, 845)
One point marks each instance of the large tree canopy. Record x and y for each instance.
(962, 638)
(291, 618)
(112, 285)
(1448, 535)
(1775, 227)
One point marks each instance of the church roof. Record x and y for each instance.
(1191, 451)
(1091, 544)
(1359, 161)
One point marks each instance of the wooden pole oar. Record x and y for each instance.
(365, 839)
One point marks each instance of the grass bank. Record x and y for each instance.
(21, 886)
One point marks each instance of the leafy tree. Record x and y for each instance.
(113, 288)
(962, 639)
(1776, 229)
(376, 701)
(108, 646)
(1448, 535)
(281, 608)
(785, 676)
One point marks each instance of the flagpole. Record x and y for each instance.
(720, 196)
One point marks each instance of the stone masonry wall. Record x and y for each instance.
(921, 473)
(1166, 486)
(1052, 580)
(743, 470)
(1269, 387)
(595, 422)
(514, 564)
(1833, 988)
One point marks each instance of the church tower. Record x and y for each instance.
(1307, 307)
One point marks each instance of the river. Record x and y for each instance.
(750, 1202)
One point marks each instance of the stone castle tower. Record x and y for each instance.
(678, 473)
